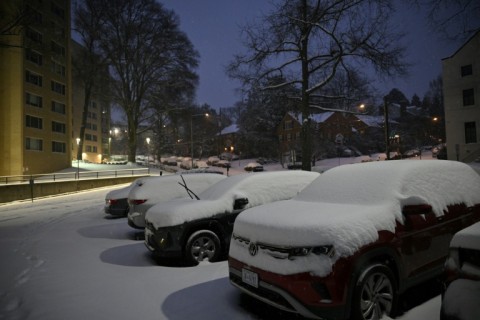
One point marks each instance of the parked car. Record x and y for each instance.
(412, 153)
(461, 296)
(147, 192)
(253, 166)
(200, 229)
(116, 201)
(356, 238)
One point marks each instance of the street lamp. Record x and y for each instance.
(191, 131)
(148, 151)
(387, 129)
(78, 160)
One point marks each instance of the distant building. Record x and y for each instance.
(35, 89)
(461, 90)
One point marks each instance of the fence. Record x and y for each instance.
(68, 176)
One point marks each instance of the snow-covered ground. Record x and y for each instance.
(63, 258)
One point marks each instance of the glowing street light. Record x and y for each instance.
(78, 160)
(148, 151)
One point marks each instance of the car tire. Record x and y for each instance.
(375, 293)
(202, 245)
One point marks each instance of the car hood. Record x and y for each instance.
(178, 211)
(468, 238)
(295, 223)
(302, 223)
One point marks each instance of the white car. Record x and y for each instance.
(149, 191)
(461, 296)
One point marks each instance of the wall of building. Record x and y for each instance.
(41, 53)
(456, 113)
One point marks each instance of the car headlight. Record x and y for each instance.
(328, 250)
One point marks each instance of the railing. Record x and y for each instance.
(49, 177)
(471, 157)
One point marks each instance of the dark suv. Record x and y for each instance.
(357, 237)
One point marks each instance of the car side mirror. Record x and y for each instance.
(417, 209)
(240, 203)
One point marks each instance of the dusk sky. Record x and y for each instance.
(213, 28)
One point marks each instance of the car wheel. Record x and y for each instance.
(375, 294)
(202, 245)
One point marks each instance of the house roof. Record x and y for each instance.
(317, 117)
(230, 129)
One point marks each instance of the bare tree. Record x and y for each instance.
(143, 46)
(15, 16)
(307, 42)
(89, 66)
(453, 19)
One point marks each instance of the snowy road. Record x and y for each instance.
(62, 258)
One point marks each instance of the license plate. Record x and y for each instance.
(250, 278)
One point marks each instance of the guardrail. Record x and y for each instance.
(81, 175)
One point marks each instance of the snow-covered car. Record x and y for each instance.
(356, 238)
(253, 166)
(145, 193)
(116, 201)
(461, 296)
(200, 230)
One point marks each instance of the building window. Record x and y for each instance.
(33, 144)
(468, 97)
(33, 35)
(288, 125)
(58, 107)
(59, 147)
(34, 57)
(58, 88)
(470, 132)
(58, 49)
(90, 137)
(57, 68)
(58, 127)
(91, 115)
(466, 70)
(33, 122)
(33, 78)
(33, 100)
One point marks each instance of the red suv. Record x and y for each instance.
(353, 240)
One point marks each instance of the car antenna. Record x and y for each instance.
(189, 191)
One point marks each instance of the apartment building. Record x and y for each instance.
(35, 82)
(461, 90)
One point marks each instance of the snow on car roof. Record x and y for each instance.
(259, 188)
(168, 187)
(436, 182)
(468, 238)
(347, 206)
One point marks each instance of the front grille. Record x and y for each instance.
(262, 292)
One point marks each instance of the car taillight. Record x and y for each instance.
(111, 201)
(137, 201)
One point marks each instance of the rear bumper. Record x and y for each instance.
(136, 220)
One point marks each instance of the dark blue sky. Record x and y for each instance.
(213, 28)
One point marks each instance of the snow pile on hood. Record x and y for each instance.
(168, 187)
(258, 188)
(122, 193)
(468, 238)
(347, 206)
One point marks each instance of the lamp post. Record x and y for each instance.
(148, 151)
(387, 129)
(78, 160)
(191, 132)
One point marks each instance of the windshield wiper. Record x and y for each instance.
(189, 191)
